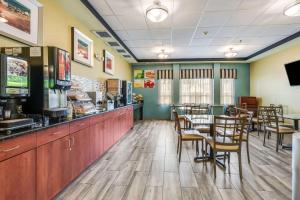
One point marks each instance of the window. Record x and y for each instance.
(227, 91)
(199, 91)
(165, 91)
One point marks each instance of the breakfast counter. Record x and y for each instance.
(47, 159)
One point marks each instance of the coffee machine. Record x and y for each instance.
(114, 91)
(50, 79)
(14, 92)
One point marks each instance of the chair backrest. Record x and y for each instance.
(177, 122)
(279, 111)
(235, 126)
(200, 109)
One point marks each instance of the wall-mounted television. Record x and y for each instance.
(293, 72)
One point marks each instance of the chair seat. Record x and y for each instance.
(256, 120)
(202, 129)
(181, 117)
(191, 135)
(284, 124)
(237, 137)
(222, 147)
(282, 130)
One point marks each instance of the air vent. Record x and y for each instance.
(102, 34)
(121, 51)
(113, 44)
(126, 56)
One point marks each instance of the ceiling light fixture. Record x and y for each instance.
(157, 12)
(231, 53)
(2, 19)
(162, 55)
(293, 9)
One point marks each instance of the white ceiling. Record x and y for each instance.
(245, 25)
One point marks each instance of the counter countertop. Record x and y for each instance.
(21, 132)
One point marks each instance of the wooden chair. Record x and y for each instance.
(187, 135)
(246, 131)
(279, 112)
(258, 121)
(203, 109)
(272, 125)
(223, 143)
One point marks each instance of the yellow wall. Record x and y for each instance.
(57, 32)
(269, 81)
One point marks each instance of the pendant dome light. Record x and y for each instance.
(231, 53)
(162, 55)
(292, 10)
(157, 12)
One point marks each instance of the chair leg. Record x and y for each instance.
(258, 129)
(228, 159)
(197, 148)
(265, 138)
(178, 144)
(215, 165)
(277, 142)
(202, 147)
(248, 153)
(240, 165)
(180, 147)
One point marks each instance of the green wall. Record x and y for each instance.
(152, 110)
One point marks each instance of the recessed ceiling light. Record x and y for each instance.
(293, 9)
(157, 12)
(231, 53)
(162, 55)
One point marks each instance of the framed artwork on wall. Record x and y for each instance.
(108, 63)
(21, 20)
(82, 48)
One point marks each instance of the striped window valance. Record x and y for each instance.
(165, 74)
(228, 73)
(196, 73)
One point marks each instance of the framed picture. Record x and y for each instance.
(82, 48)
(21, 20)
(138, 74)
(108, 63)
(149, 83)
(138, 83)
(149, 74)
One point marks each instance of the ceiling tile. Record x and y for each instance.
(201, 42)
(243, 17)
(133, 21)
(210, 19)
(182, 33)
(101, 7)
(211, 32)
(139, 35)
(114, 23)
(185, 19)
(220, 5)
(160, 34)
(128, 7)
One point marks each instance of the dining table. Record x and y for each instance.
(295, 118)
(205, 120)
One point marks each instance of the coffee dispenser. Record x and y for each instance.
(50, 79)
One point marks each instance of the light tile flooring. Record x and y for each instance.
(144, 165)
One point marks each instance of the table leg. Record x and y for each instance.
(290, 146)
(210, 155)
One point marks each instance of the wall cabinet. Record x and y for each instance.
(17, 177)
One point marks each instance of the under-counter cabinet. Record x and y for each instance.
(53, 167)
(96, 139)
(18, 168)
